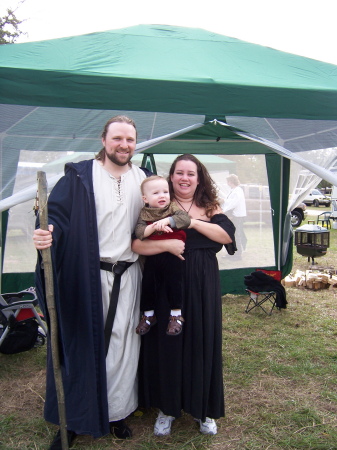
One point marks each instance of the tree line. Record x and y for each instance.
(10, 26)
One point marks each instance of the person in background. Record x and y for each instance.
(156, 220)
(235, 206)
(92, 212)
(185, 373)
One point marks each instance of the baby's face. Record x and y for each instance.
(156, 193)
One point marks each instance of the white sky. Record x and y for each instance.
(302, 27)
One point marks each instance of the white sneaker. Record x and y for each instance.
(208, 427)
(162, 427)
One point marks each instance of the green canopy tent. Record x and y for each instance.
(167, 69)
(56, 95)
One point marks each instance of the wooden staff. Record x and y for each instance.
(49, 286)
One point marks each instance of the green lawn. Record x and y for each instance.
(280, 375)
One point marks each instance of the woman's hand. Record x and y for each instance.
(43, 239)
(176, 247)
(192, 223)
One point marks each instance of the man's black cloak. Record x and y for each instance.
(75, 254)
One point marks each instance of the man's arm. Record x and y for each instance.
(149, 248)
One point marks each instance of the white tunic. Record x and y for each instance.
(235, 202)
(118, 204)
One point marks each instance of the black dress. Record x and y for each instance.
(185, 372)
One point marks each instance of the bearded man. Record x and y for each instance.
(93, 210)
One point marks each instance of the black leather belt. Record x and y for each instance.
(117, 269)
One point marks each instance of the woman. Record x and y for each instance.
(185, 372)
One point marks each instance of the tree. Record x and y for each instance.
(9, 27)
(325, 187)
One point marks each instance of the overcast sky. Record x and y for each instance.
(302, 27)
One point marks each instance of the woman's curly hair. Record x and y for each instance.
(205, 195)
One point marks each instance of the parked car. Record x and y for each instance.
(316, 198)
(298, 214)
(258, 205)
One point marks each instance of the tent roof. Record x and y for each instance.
(167, 69)
(211, 139)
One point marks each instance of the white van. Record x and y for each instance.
(316, 198)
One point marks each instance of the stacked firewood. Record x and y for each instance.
(312, 279)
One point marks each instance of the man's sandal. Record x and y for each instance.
(120, 429)
(145, 324)
(175, 325)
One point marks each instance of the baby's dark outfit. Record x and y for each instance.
(165, 268)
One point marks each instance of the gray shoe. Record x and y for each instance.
(208, 427)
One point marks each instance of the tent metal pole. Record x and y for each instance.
(280, 239)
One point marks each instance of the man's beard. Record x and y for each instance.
(116, 161)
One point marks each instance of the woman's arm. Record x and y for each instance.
(148, 247)
(211, 230)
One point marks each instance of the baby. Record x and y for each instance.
(161, 219)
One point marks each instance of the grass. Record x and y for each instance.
(280, 375)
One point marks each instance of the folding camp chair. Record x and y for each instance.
(262, 298)
(21, 326)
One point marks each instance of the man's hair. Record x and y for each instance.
(120, 119)
(206, 193)
(148, 179)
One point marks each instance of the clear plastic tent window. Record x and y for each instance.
(20, 254)
(47, 138)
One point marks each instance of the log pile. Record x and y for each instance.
(312, 279)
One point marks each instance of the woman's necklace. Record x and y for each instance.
(182, 205)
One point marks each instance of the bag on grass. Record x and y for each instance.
(22, 336)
